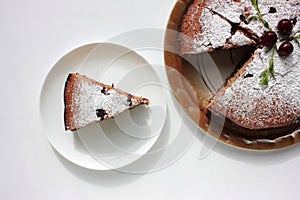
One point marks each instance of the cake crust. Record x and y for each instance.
(68, 113)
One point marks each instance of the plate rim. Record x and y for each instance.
(96, 166)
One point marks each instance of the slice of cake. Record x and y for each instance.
(88, 101)
(265, 91)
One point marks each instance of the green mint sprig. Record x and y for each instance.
(259, 15)
(296, 38)
(269, 71)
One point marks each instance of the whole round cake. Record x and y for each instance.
(265, 91)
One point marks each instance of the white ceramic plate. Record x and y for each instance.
(116, 143)
(83, 147)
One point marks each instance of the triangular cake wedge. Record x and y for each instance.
(210, 25)
(88, 101)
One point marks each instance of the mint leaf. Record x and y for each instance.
(297, 37)
(265, 78)
(253, 18)
(260, 17)
(254, 2)
(266, 24)
(297, 42)
(271, 64)
(269, 71)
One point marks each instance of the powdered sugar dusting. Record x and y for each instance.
(239, 39)
(284, 10)
(231, 12)
(254, 106)
(88, 97)
(216, 31)
(215, 23)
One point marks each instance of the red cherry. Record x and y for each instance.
(285, 49)
(285, 26)
(269, 38)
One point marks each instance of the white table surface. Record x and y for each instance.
(33, 36)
